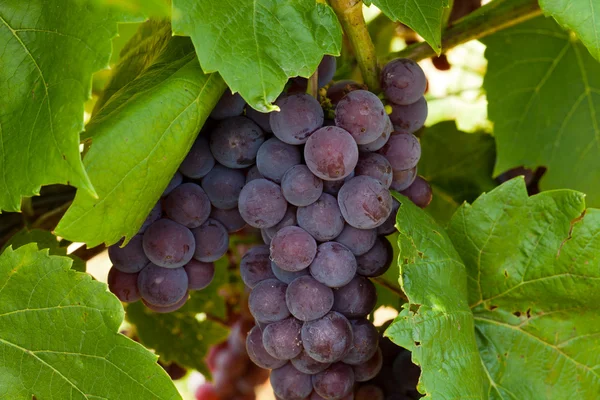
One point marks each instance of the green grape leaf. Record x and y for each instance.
(457, 165)
(59, 336)
(256, 45)
(534, 289)
(582, 17)
(44, 240)
(424, 16)
(139, 138)
(49, 51)
(543, 90)
(436, 325)
(179, 336)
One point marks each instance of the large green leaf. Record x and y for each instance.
(59, 339)
(533, 266)
(424, 16)
(48, 54)
(139, 138)
(581, 16)
(257, 44)
(543, 89)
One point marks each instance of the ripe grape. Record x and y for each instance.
(369, 392)
(327, 339)
(162, 286)
(364, 202)
(282, 339)
(301, 187)
(267, 301)
(409, 118)
(403, 151)
(173, 183)
(287, 276)
(293, 249)
(154, 215)
(334, 265)
(290, 384)
(262, 204)
(419, 192)
(356, 299)
(265, 237)
(362, 114)
(369, 369)
(124, 285)
(335, 382)
(223, 186)
(376, 166)
(166, 309)
(206, 391)
(389, 226)
(322, 219)
(212, 241)
(200, 274)
(381, 140)
(199, 161)
(326, 70)
(188, 205)
(403, 179)
(308, 299)
(403, 81)
(365, 342)
(255, 266)
(377, 260)
(308, 365)
(235, 142)
(333, 187)
(299, 116)
(331, 153)
(338, 90)
(131, 258)
(229, 105)
(405, 372)
(275, 157)
(257, 353)
(358, 241)
(253, 174)
(289, 219)
(261, 119)
(168, 244)
(231, 219)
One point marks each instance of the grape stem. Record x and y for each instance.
(381, 281)
(313, 84)
(490, 18)
(351, 18)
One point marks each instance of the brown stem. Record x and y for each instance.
(381, 281)
(313, 84)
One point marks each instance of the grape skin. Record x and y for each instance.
(162, 286)
(166, 309)
(403, 179)
(326, 70)
(223, 186)
(299, 116)
(376, 166)
(419, 192)
(355, 299)
(358, 241)
(409, 118)
(308, 299)
(212, 241)
(369, 369)
(338, 90)
(369, 392)
(173, 183)
(378, 143)
(333, 187)
(123, 285)
(335, 382)
(257, 353)
(389, 226)
(131, 258)
(255, 266)
(259, 118)
(199, 161)
(154, 215)
(168, 244)
(200, 274)
(403, 81)
(322, 219)
(305, 363)
(282, 339)
(334, 265)
(331, 153)
(289, 219)
(262, 204)
(364, 202)
(253, 174)
(275, 157)
(188, 205)
(327, 339)
(293, 249)
(231, 219)
(267, 301)
(362, 114)
(290, 384)
(365, 342)
(402, 150)
(376, 261)
(229, 105)
(301, 187)
(287, 276)
(235, 142)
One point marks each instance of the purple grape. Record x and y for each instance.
(235, 142)
(200, 274)
(403, 81)
(166, 309)
(299, 116)
(322, 219)
(168, 244)
(331, 153)
(308, 365)
(123, 285)
(377, 260)
(403, 179)
(409, 118)
(378, 143)
(370, 392)
(402, 150)
(212, 241)
(369, 369)
(229, 105)
(362, 114)
(231, 219)
(335, 382)
(290, 384)
(356, 299)
(365, 342)
(199, 161)
(131, 258)
(255, 266)
(253, 174)
(405, 373)
(188, 205)
(326, 70)
(300, 187)
(223, 186)
(257, 353)
(364, 202)
(262, 204)
(358, 241)
(265, 237)
(334, 265)
(419, 192)
(376, 166)
(289, 219)
(261, 119)
(267, 301)
(333, 187)
(154, 215)
(173, 183)
(282, 339)
(308, 299)
(293, 249)
(327, 339)
(338, 90)
(275, 157)
(389, 226)
(287, 276)
(162, 286)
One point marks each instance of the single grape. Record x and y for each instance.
(378, 143)
(257, 353)
(235, 142)
(168, 244)
(229, 105)
(308, 299)
(356, 299)
(301, 187)
(331, 153)
(255, 266)
(166, 309)
(267, 301)
(376, 166)
(409, 118)
(173, 183)
(364, 202)
(200, 274)
(123, 285)
(299, 116)
(327, 339)
(338, 90)
(376, 261)
(369, 392)
(335, 382)
(369, 369)
(290, 384)
(212, 241)
(362, 114)
(308, 365)
(223, 186)
(275, 157)
(253, 174)
(289, 219)
(334, 265)
(365, 342)
(265, 237)
(231, 219)
(419, 192)
(403, 179)
(287, 276)
(188, 205)
(402, 150)
(206, 391)
(261, 119)
(199, 161)
(293, 249)
(154, 215)
(262, 204)
(403, 81)
(333, 187)
(282, 339)
(162, 286)
(131, 258)
(358, 241)
(322, 219)
(326, 70)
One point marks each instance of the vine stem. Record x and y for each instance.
(351, 18)
(381, 281)
(488, 19)
(313, 84)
